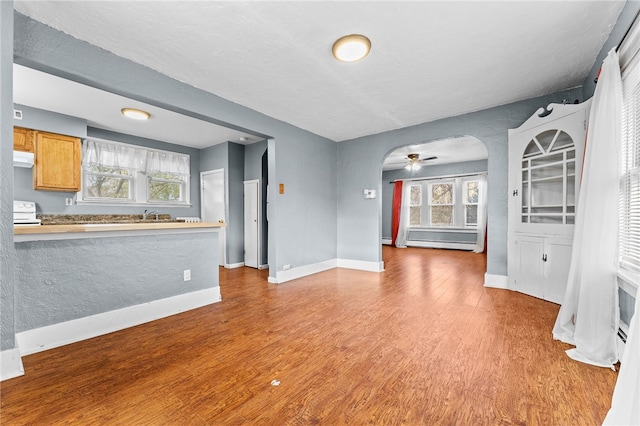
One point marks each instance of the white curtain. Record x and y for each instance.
(625, 406)
(403, 228)
(109, 154)
(482, 213)
(167, 162)
(589, 314)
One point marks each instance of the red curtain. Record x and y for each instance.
(395, 215)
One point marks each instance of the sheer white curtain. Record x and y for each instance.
(482, 213)
(403, 228)
(113, 155)
(589, 314)
(167, 162)
(625, 405)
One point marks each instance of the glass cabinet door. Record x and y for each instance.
(548, 179)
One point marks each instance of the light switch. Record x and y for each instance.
(369, 193)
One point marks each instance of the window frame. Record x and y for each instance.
(139, 184)
(629, 181)
(452, 204)
(465, 202)
(412, 205)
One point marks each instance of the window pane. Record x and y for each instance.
(164, 191)
(442, 193)
(414, 216)
(416, 195)
(471, 213)
(442, 215)
(471, 193)
(97, 186)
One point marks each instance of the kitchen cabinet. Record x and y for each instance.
(23, 139)
(545, 164)
(57, 162)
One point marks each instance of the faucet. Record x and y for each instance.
(146, 214)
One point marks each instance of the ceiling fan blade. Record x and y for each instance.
(429, 158)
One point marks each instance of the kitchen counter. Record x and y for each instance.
(99, 230)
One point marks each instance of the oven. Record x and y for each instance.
(24, 213)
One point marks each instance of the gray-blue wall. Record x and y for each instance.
(7, 251)
(430, 171)
(69, 279)
(360, 166)
(235, 221)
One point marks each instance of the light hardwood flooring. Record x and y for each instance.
(423, 343)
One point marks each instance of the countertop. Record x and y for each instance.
(97, 230)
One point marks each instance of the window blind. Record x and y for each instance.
(629, 200)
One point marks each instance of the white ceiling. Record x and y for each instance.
(429, 59)
(451, 150)
(102, 110)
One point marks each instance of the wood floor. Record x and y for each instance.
(423, 343)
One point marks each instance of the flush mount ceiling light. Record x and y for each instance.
(136, 114)
(351, 48)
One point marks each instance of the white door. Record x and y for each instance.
(213, 205)
(251, 217)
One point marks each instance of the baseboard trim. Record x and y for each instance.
(261, 267)
(64, 333)
(234, 265)
(386, 241)
(361, 265)
(10, 364)
(442, 245)
(303, 271)
(272, 280)
(496, 281)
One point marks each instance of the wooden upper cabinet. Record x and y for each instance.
(23, 139)
(57, 162)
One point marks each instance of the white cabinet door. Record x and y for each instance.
(541, 266)
(557, 252)
(529, 272)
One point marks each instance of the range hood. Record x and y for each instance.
(22, 159)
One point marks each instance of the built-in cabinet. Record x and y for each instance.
(57, 158)
(23, 139)
(545, 163)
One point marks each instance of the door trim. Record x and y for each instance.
(259, 218)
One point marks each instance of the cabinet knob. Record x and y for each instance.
(515, 192)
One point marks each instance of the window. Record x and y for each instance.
(415, 205)
(447, 202)
(470, 201)
(441, 203)
(629, 196)
(119, 173)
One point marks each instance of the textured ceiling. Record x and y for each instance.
(429, 59)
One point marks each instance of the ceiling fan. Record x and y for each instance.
(415, 161)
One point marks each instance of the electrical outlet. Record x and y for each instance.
(286, 267)
(68, 201)
(187, 274)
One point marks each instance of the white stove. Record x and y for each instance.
(24, 213)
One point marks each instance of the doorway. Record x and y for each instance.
(251, 223)
(213, 205)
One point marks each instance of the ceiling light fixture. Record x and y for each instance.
(136, 114)
(351, 48)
